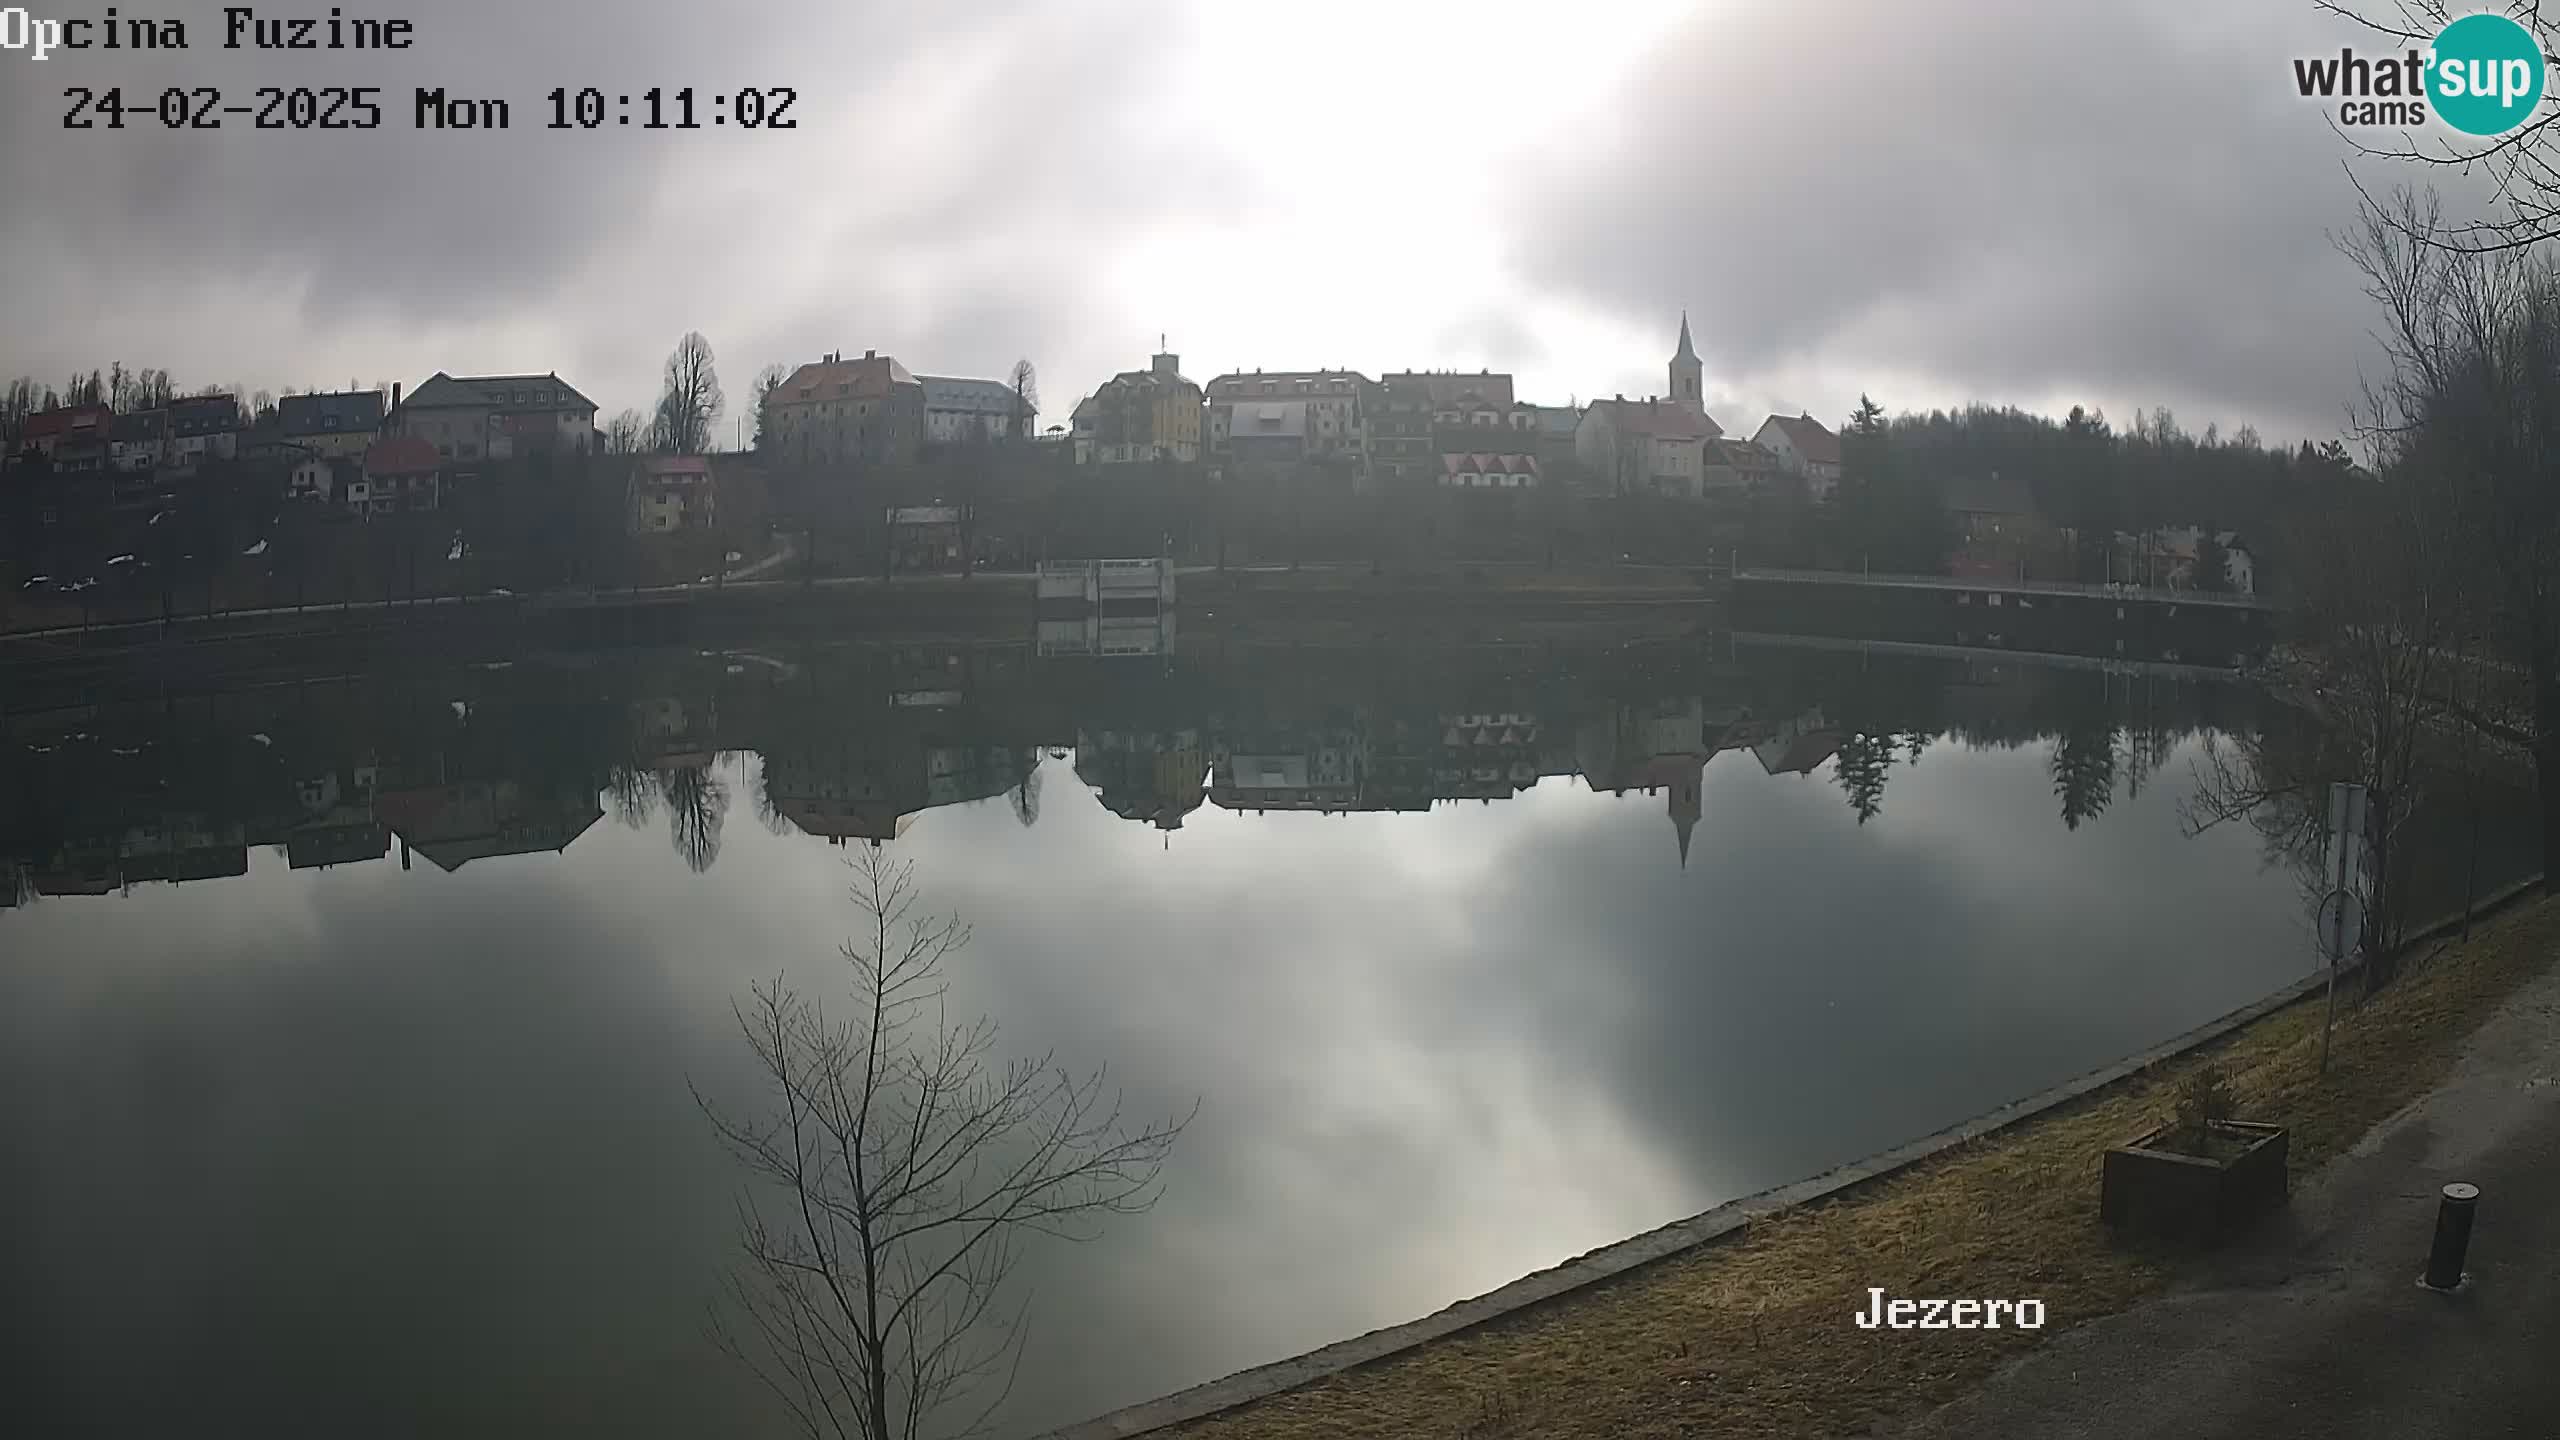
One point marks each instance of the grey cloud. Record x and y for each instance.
(967, 174)
(2015, 197)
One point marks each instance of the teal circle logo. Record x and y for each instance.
(2484, 76)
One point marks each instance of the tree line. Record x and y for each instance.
(2085, 477)
(2428, 615)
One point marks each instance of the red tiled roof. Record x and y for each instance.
(1815, 443)
(67, 419)
(872, 377)
(400, 455)
(1489, 464)
(1660, 419)
(1741, 454)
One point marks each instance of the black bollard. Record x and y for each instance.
(2453, 1237)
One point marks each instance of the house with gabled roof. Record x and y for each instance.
(204, 427)
(1288, 415)
(139, 442)
(973, 412)
(46, 431)
(839, 411)
(340, 424)
(1142, 416)
(1805, 448)
(1645, 447)
(1489, 471)
(403, 472)
(494, 417)
(1741, 468)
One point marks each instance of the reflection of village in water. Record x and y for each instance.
(452, 761)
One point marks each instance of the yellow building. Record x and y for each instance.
(1140, 416)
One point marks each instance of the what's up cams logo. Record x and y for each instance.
(2482, 76)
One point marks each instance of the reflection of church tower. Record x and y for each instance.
(1684, 809)
(1688, 376)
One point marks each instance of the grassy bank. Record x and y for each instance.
(1752, 1335)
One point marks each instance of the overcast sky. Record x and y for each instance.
(2018, 201)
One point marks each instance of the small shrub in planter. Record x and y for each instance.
(2198, 1180)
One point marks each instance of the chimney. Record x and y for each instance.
(870, 354)
(395, 394)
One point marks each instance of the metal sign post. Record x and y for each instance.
(2340, 921)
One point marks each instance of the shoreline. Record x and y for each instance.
(1584, 1275)
(987, 596)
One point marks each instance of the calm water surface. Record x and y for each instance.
(404, 1145)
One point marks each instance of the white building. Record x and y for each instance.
(960, 412)
(316, 477)
(2168, 556)
(1488, 472)
(1278, 416)
(1805, 448)
(1645, 447)
(495, 417)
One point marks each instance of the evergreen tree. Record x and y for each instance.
(2084, 768)
(1860, 767)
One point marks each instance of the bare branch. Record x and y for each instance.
(909, 1166)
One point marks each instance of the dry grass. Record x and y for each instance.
(1753, 1335)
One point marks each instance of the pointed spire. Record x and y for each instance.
(1687, 352)
(1684, 823)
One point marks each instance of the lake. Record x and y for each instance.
(349, 1009)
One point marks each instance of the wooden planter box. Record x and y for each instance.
(2186, 1200)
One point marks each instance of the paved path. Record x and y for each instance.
(2318, 1327)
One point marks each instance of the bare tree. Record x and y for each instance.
(1026, 389)
(903, 1169)
(2521, 166)
(1026, 797)
(697, 805)
(633, 791)
(21, 399)
(627, 433)
(2379, 610)
(690, 404)
(2472, 407)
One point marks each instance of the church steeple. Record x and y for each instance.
(1684, 809)
(1688, 376)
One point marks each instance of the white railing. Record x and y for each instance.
(1093, 581)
